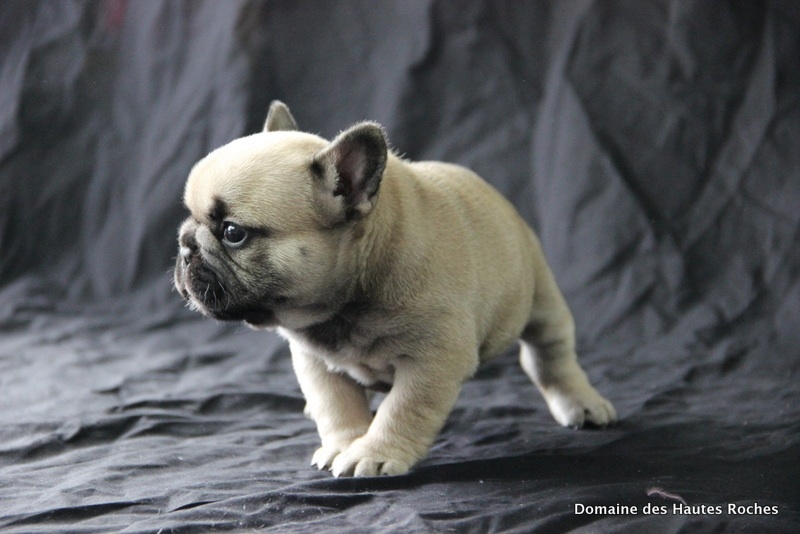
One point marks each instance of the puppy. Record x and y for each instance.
(382, 274)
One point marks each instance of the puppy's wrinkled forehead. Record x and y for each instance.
(262, 180)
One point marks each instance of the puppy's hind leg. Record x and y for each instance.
(547, 355)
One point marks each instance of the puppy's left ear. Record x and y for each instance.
(279, 118)
(349, 172)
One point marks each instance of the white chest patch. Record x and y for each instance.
(362, 345)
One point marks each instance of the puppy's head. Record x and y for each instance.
(274, 223)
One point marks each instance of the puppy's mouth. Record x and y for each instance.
(202, 286)
(205, 291)
(259, 317)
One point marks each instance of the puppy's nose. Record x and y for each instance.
(188, 246)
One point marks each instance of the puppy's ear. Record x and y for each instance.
(279, 118)
(348, 173)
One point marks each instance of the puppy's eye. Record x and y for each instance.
(233, 234)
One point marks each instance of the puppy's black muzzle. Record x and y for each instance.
(197, 280)
(200, 277)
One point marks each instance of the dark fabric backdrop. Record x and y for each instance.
(654, 145)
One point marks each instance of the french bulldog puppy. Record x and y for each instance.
(382, 274)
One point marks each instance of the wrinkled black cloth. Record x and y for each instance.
(655, 147)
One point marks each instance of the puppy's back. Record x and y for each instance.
(493, 224)
(497, 247)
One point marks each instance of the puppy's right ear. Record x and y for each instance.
(348, 173)
(279, 118)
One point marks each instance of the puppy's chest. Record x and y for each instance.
(363, 345)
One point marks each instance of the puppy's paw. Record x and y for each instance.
(332, 446)
(368, 458)
(323, 457)
(333, 443)
(575, 406)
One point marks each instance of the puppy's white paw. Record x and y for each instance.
(333, 444)
(323, 457)
(367, 458)
(575, 406)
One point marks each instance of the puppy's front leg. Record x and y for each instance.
(408, 419)
(336, 403)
